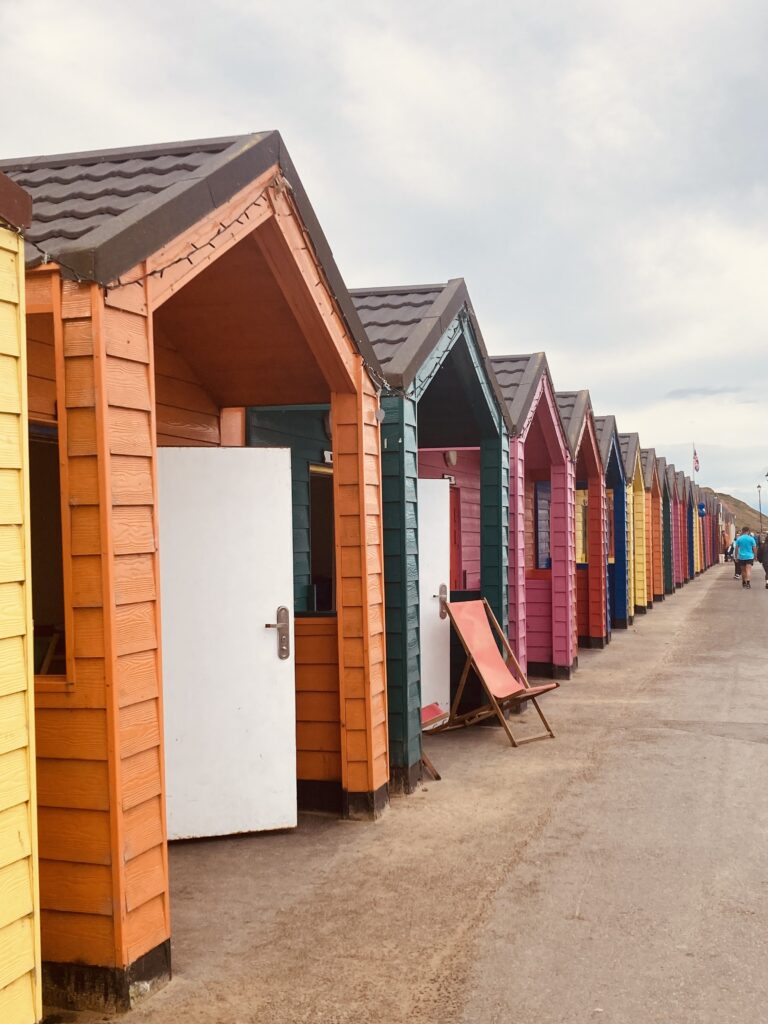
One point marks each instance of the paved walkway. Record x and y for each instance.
(618, 874)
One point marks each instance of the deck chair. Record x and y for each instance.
(431, 716)
(502, 679)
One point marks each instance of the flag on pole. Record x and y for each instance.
(696, 466)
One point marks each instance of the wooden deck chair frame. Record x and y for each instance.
(494, 706)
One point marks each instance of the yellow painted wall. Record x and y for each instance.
(639, 559)
(19, 899)
(629, 505)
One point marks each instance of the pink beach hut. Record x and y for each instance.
(542, 565)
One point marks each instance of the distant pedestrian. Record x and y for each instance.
(746, 547)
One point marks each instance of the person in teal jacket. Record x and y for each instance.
(746, 547)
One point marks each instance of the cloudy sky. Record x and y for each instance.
(597, 170)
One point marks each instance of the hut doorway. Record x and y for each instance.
(226, 572)
(434, 504)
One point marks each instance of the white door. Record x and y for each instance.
(226, 564)
(434, 497)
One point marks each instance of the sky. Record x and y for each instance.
(597, 171)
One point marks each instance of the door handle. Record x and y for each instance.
(283, 627)
(442, 595)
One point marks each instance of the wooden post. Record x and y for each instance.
(399, 461)
(494, 523)
(516, 571)
(20, 989)
(563, 569)
(360, 571)
(104, 871)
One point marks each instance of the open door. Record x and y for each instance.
(434, 503)
(229, 686)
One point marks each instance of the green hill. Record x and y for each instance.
(745, 514)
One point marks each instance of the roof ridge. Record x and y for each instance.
(85, 157)
(399, 289)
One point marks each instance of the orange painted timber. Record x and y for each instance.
(101, 728)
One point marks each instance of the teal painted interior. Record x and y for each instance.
(303, 430)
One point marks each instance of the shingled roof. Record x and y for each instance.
(101, 212)
(648, 462)
(405, 323)
(573, 407)
(518, 377)
(661, 469)
(630, 446)
(606, 429)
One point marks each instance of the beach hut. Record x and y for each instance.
(170, 288)
(542, 566)
(678, 535)
(630, 451)
(654, 527)
(446, 479)
(621, 614)
(667, 532)
(686, 547)
(578, 420)
(20, 988)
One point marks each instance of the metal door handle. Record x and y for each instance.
(442, 595)
(283, 627)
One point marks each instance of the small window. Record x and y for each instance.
(50, 655)
(582, 526)
(542, 512)
(322, 548)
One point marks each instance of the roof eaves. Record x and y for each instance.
(15, 204)
(416, 349)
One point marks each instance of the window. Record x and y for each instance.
(322, 549)
(542, 512)
(582, 527)
(46, 552)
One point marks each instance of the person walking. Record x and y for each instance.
(762, 556)
(746, 546)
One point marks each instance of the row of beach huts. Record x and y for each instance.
(195, 410)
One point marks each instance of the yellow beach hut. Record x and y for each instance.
(19, 900)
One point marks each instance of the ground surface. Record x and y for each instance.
(617, 874)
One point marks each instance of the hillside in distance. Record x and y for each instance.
(745, 514)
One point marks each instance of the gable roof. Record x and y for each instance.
(15, 204)
(99, 213)
(661, 469)
(573, 407)
(681, 484)
(404, 324)
(518, 378)
(630, 447)
(606, 430)
(672, 480)
(648, 462)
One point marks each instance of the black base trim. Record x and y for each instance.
(365, 806)
(111, 989)
(405, 780)
(593, 642)
(650, 606)
(316, 795)
(640, 609)
(620, 624)
(546, 670)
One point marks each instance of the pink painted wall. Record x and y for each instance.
(539, 607)
(518, 633)
(467, 475)
(676, 541)
(542, 603)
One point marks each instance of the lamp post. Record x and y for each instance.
(760, 505)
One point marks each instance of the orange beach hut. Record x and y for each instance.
(170, 288)
(654, 527)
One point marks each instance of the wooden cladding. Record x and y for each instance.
(19, 903)
(100, 765)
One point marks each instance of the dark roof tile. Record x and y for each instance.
(518, 378)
